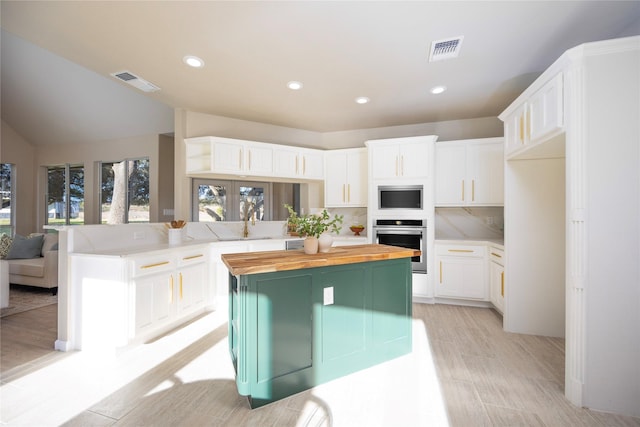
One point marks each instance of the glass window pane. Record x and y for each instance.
(138, 176)
(252, 203)
(56, 209)
(212, 203)
(7, 196)
(76, 194)
(106, 191)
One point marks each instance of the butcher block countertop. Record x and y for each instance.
(267, 262)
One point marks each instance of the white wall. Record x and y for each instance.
(18, 151)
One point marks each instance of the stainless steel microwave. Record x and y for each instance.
(400, 197)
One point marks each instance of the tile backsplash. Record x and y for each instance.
(469, 223)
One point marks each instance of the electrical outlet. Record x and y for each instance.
(328, 296)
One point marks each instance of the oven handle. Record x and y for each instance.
(407, 231)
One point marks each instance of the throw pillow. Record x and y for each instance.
(23, 248)
(5, 245)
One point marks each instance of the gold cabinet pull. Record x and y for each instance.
(296, 164)
(348, 192)
(473, 190)
(249, 160)
(304, 165)
(495, 254)
(440, 271)
(343, 193)
(396, 165)
(462, 190)
(460, 250)
(522, 128)
(528, 123)
(502, 284)
(187, 258)
(157, 264)
(171, 289)
(180, 286)
(240, 158)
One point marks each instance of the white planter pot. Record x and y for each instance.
(324, 242)
(311, 245)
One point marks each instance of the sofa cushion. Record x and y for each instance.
(5, 245)
(50, 243)
(22, 247)
(33, 267)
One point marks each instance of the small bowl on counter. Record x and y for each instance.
(357, 229)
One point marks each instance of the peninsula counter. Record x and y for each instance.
(297, 320)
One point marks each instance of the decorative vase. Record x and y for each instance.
(324, 242)
(311, 245)
(175, 236)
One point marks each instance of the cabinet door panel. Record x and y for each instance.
(259, 160)
(485, 174)
(336, 180)
(414, 161)
(191, 281)
(227, 157)
(461, 278)
(385, 162)
(450, 174)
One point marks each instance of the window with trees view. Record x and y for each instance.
(65, 195)
(6, 212)
(124, 191)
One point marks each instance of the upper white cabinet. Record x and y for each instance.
(470, 172)
(346, 178)
(294, 162)
(536, 120)
(228, 156)
(401, 158)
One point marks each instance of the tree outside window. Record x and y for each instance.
(124, 191)
(65, 195)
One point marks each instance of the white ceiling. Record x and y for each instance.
(57, 57)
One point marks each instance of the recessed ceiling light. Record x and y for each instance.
(438, 89)
(294, 85)
(362, 100)
(193, 61)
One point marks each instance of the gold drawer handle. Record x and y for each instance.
(158, 264)
(495, 254)
(192, 257)
(461, 250)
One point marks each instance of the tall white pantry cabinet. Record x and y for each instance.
(572, 219)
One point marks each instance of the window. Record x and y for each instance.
(217, 200)
(124, 191)
(65, 195)
(6, 212)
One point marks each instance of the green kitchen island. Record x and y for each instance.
(298, 320)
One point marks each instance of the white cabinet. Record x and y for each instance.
(537, 120)
(400, 158)
(228, 156)
(462, 272)
(167, 286)
(293, 162)
(470, 172)
(345, 182)
(496, 277)
(242, 157)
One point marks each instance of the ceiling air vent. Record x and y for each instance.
(445, 49)
(135, 81)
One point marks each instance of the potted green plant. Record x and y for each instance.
(312, 226)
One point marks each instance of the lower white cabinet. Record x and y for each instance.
(167, 287)
(462, 272)
(496, 278)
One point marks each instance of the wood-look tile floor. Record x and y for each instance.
(464, 371)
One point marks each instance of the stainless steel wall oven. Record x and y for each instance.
(406, 233)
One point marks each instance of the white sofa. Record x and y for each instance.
(42, 271)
